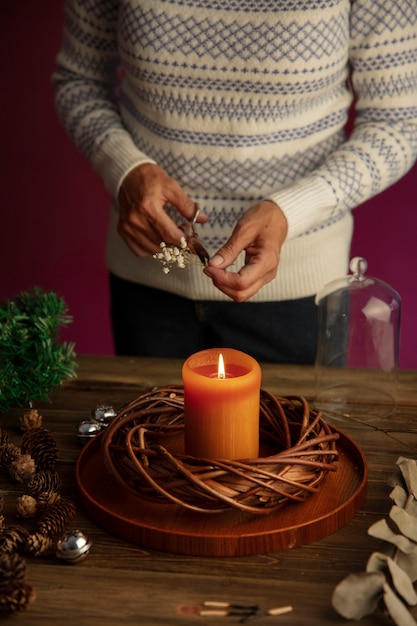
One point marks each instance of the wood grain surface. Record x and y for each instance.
(122, 582)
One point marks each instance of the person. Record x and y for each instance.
(239, 109)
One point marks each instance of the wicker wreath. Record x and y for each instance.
(136, 452)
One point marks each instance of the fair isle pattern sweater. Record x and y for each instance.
(241, 100)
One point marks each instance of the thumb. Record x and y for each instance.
(225, 256)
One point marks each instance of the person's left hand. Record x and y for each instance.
(260, 232)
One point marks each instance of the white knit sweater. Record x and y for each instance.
(241, 100)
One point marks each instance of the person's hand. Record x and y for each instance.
(143, 222)
(260, 233)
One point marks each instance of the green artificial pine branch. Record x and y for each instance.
(33, 362)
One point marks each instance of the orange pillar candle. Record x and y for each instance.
(221, 411)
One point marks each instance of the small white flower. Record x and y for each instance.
(174, 255)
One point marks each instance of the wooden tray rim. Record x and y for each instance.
(160, 536)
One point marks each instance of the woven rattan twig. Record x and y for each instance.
(137, 451)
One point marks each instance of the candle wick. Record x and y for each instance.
(221, 375)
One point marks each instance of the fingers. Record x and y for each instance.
(161, 189)
(144, 224)
(246, 282)
(143, 221)
(142, 241)
(260, 234)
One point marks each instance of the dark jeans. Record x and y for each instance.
(150, 322)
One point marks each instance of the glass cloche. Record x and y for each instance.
(358, 344)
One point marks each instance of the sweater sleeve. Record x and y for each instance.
(383, 144)
(85, 83)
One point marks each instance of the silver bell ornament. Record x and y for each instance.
(100, 418)
(73, 546)
(103, 413)
(88, 429)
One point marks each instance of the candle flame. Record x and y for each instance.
(221, 373)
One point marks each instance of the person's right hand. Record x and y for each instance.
(143, 222)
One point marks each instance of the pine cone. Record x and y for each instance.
(15, 596)
(42, 447)
(12, 567)
(46, 499)
(57, 517)
(13, 539)
(38, 545)
(45, 480)
(23, 468)
(4, 437)
(8, 453)
(30, 419)
(26, 506)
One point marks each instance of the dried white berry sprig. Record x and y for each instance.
(389, 576)
(171, 256)
(190, 246)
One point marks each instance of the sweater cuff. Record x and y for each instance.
(306, 204)
(115, 158)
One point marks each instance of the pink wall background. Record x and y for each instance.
(54, 209)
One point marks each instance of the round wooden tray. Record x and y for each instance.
(172, 528)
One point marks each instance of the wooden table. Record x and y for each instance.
(121, 583)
